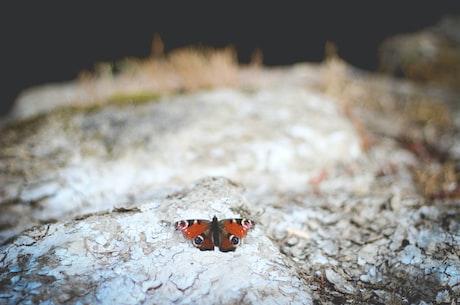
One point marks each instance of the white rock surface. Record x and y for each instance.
(97, 190)
(270, 140)
(135, 256)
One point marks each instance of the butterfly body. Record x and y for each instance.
(226, 234)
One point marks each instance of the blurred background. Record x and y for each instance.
(55, 42)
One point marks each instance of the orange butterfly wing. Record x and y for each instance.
(205, 235)
(198, 231)
(232, 231)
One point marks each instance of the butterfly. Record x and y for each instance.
(226, 234)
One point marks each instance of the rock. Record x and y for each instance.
(87, 161)
(354, 199)
(135, 256)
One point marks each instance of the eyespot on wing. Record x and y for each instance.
(192, 228)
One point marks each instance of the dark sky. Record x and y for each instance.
(52, 43)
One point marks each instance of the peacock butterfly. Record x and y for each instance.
(226, 234)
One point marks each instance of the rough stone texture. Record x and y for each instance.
(93, 160)
(350, 177)
(134, 257)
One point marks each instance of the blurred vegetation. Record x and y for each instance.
(431, 56)
(182, 70)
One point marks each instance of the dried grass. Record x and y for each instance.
(182, 70)
(420, 121)
(438, 181)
